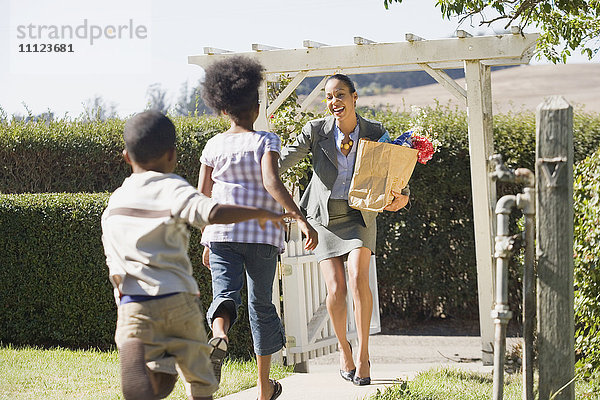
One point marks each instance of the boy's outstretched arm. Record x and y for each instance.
(269, 165)
(230, 214)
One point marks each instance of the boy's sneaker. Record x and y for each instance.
(217, 355)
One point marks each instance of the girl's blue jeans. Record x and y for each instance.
(228, 260)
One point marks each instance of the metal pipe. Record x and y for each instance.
(503, 249)
(526, 202)
(501, 312)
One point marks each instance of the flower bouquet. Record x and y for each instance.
(417, 137)
(383, 168)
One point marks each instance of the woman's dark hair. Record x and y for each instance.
(231, 85)
(345, 79)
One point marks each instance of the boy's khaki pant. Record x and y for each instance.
(174, 339)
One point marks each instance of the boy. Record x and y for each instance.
(160, 330)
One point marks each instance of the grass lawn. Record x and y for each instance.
(30, 373)
(455, 384)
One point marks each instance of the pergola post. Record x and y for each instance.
(262, 122)
(481, 147)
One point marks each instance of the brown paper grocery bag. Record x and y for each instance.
(379, 169)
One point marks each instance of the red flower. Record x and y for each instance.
(425, 148)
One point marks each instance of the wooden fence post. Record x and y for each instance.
(554, 182)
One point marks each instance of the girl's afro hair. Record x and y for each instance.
(231, 85)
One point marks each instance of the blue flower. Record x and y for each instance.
(405, 139)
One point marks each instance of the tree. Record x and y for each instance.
(190, 100)
(566, 25)
(96, 109)
(157, 98)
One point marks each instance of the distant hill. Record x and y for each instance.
(395, 80)
(513, 89)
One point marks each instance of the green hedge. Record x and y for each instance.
(54, 287)
(53, 284)
(426, 261)
(587, 266)
(426, 265)
(79, 156)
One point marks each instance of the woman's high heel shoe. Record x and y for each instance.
(362, 381)
(348, 375)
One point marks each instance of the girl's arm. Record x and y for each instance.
(269, 165)
(205, 182)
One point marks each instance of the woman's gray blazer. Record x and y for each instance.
(317, 138)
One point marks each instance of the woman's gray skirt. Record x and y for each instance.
(346, 231)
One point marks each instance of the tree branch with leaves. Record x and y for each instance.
(566, 25)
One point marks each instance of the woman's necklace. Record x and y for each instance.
(347, 146)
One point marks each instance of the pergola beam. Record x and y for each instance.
(400, 68)
(446, 81)
(361, 40)
(286, 92)
(210, 51)
(387, 54)
(311, 44)
(312, 95)
(263, 47)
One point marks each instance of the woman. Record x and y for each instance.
(345, 234)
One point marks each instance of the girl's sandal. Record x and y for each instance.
(217, 355)
(277, 389)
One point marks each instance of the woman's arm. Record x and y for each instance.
(293, 153)
(269, 165)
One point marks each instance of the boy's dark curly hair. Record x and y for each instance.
(231, 85)
(148, 135)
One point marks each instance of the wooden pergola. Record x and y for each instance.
(475, 54)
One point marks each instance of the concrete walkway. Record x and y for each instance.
(393, 357)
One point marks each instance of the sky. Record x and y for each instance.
(116, 49)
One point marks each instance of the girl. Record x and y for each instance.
(240, 166)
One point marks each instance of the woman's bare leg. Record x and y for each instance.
(358, 282)
(335, 280)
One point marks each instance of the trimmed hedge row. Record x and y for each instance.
(53, 284)
(54, 287)
(426, 255)
(426, 262)
(587, 266)
(80, 156)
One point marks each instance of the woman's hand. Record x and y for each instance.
(205, 257)
(400, 201)
(312, 237)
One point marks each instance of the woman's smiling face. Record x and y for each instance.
(341, 103)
